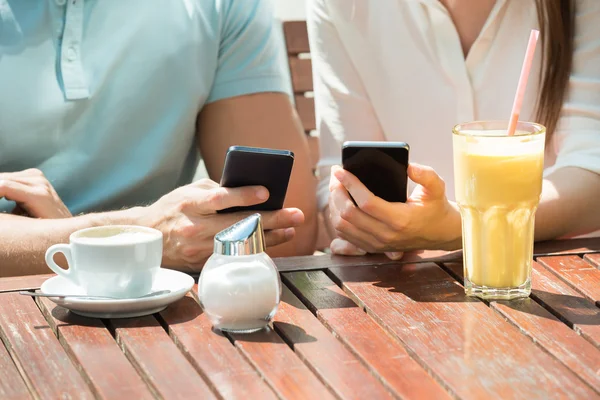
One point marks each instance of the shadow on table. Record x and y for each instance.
(281, 330)
(62, 317)
(572, 310)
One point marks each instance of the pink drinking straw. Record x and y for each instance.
(516, 110)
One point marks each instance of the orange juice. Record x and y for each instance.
(498, 185)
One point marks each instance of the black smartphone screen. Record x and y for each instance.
(250, 166)
(381, 167)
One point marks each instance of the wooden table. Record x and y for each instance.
(362, 328)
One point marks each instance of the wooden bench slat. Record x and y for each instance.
(91, 346)
(301, 73)
(341, 370)
(594, 259)
(550, 333)
(45, 365)
(287, 375)
(475, 352)
(296, 37)
(575, 271)
(305, 106)
(158, 359)
(12, 385)
(27, 282)
(566, 303)
(379, 351)
(211, 353)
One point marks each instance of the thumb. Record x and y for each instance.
(427, 177)
(344, 248)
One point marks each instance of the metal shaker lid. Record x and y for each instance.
(242, 238)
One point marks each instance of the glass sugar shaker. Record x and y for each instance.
(239, 287)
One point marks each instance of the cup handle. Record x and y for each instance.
(66, 250)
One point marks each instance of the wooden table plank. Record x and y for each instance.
(12, 386)
(90, 345)
(341, 371)
(303, 263)
(43, 362)
(383, 355)
(578, 273)
(212, 354)
(476, 353)
(280, 367)
(594, 259)
(158, 360)
(27, 282)
(550, 333)
(566, 303)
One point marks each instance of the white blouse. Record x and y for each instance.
(394, 70)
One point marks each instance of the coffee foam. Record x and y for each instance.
(119, 237)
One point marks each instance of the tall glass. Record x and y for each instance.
(498, 182)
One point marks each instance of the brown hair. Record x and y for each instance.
(557, 30)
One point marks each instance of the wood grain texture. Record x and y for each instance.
(566, 303)
(310, 263)
(383, 355)
(287, 375)
(305, 106)
(341, 370)
(325, 261)
(301, 73)
(296, 37)
(158, 360)
(27, 282)
(581, 275)
(594, 259)
(43, 362)
(475, 352)
(567, 246)
(550, 333)
(12, 386)
(212, 354)
(91, 346)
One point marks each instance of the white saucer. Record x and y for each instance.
(166, 279)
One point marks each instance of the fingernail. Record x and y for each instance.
(289, 233)
(394, 255)
(416, 169)
(262, 194)
(297, 217)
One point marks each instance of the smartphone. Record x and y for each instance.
(251, 166)
(380, 166)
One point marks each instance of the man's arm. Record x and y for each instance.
(25, 240)
(263, 120)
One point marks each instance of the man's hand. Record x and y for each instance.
(34, 195)
(189, 221)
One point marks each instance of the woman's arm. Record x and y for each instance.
(571, 190)
(570, 204)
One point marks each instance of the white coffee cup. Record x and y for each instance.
(117, 261)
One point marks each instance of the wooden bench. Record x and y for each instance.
(298, 52)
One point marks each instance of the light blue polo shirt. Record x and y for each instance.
(103, 95)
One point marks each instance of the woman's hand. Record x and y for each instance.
(34, 195)
(426, 221)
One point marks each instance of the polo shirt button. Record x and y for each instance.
(71, 54)
(61, 2)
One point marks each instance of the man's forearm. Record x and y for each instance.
(23, 241)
